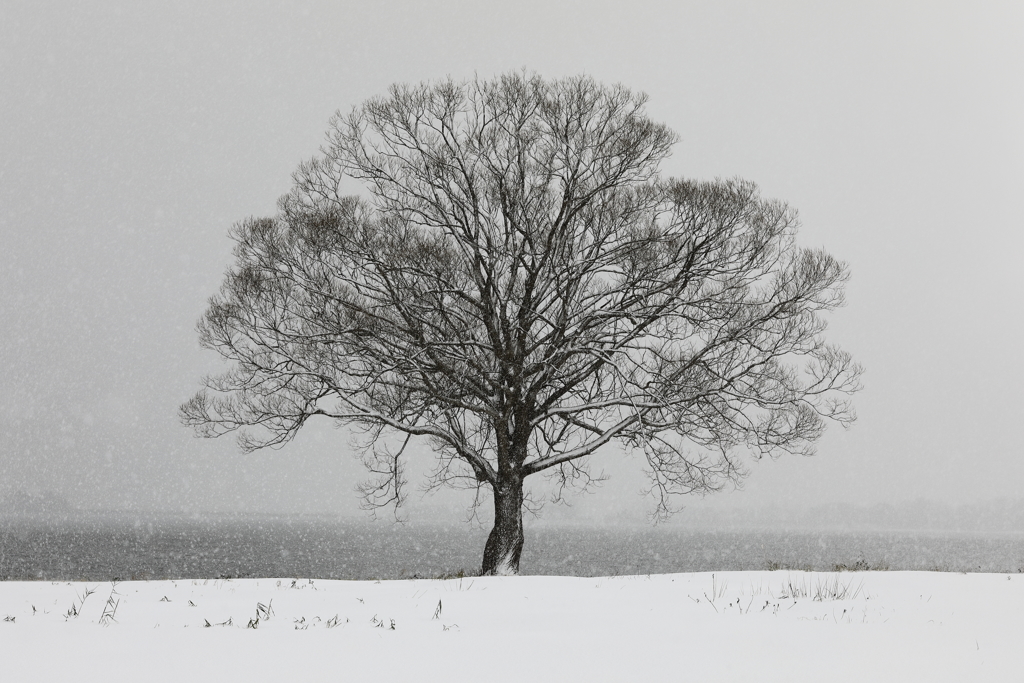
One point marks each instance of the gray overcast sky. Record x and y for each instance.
(134, 134)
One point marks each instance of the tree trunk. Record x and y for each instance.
(505, 542)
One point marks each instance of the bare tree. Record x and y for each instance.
(520, 287)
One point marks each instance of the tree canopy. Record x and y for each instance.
(519, 286)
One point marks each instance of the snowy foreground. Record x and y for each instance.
(730, 626)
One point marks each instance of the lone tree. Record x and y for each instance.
(521, 287)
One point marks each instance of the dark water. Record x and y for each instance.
(291, 547)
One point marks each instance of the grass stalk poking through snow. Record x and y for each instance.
(716, 591)
(75, 610)
(263, 613)
(829, 588)
(110, 608)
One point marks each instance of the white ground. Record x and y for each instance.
(730, 626)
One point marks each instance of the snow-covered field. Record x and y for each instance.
(730, 626)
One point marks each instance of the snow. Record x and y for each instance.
(728, 626)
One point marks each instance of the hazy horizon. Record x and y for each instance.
(993, 516)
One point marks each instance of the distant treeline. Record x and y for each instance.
(1004, 515)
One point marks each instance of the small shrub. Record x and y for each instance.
(861, 565)
(461, 574)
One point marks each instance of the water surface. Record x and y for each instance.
(178, 548)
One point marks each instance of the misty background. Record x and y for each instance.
(134, 135)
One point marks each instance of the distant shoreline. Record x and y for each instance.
(1001, 518)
